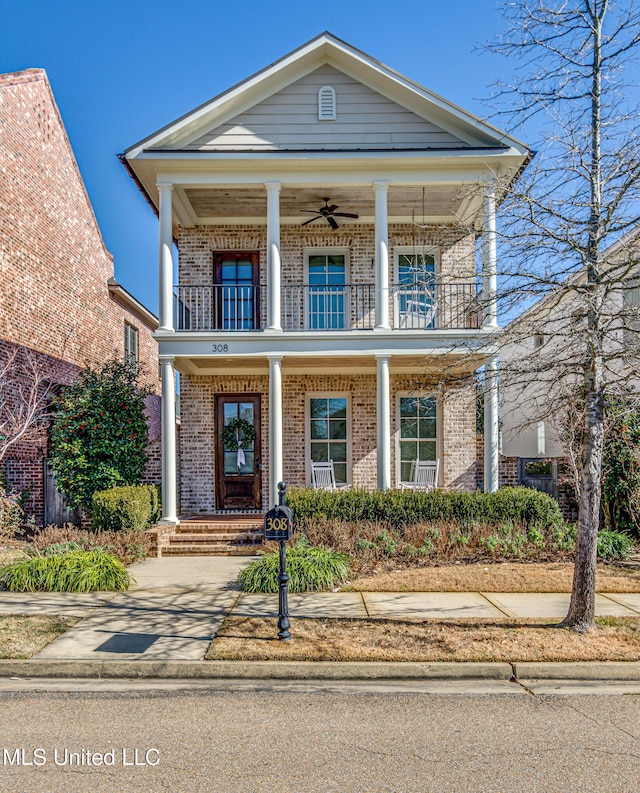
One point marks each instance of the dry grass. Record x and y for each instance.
(503, 577)
(22, 637)
(10, 554)
(255, 638)
(128, 546)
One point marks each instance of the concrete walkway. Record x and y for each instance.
(177, 606)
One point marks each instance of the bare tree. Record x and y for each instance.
(24, 399)
(580, 196)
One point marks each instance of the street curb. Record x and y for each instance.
(261, 670)
(578, 670)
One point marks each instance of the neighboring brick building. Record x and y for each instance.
(58, 297)
(329, 307)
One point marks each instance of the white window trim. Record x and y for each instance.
(326, 251)
(132, 332)
(439, 425)
(401, 250)
(307, 430)
(322, 114)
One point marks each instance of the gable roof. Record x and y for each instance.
(462, 126)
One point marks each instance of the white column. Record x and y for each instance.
(382, 256)
(275, 427)
(169, 479)
(273, 256)
(165, 260)
(491, 439)
(383, 422)
(489, 280)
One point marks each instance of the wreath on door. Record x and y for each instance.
(238, 434)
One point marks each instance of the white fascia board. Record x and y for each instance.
(332, 169)
(350, 343)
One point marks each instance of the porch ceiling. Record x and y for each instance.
(414, 365)
(441, 203)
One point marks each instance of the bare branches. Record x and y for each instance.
(559, 226)
(24, 398)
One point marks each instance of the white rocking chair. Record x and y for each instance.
(425, 476)
(323, 477)
(418, 315)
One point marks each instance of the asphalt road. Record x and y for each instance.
(303, 738)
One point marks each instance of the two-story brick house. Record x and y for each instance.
(59, 301)
(327, 212)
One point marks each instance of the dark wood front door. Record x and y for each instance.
(236, 278)
(238, 474)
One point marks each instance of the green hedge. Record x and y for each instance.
(123, 508)
(521, 505)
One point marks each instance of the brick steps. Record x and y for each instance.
(224, 535)
(203, 549)
(228, 538)
(254, 527)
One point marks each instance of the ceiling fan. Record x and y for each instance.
(328, 213)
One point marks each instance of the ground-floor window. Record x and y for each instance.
(417, 436)
(328, 432)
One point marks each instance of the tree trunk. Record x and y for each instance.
(581, 614)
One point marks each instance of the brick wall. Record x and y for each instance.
(54, 266)
(197, 245)
(456, 407)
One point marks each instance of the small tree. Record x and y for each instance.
(25, 392)
(99, 432)
(580, 196)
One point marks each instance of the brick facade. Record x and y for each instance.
(54, 265)
(456, 403)
(456, 430)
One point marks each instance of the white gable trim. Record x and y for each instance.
(326, 49)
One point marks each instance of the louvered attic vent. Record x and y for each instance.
(326, 103)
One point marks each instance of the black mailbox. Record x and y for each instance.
(278, 523)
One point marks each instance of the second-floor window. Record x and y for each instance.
(326, 289)
(130, 344)
(416, 298)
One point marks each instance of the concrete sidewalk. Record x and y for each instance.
(178, 605)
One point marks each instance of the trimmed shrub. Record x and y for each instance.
(309, 569)
(613, 545)
(69, 571)
(122, 508)
(519, 505)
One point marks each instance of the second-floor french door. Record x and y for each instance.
(236, 278)
(325, 300)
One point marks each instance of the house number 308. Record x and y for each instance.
(220, 348)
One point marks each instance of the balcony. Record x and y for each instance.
(326, 308)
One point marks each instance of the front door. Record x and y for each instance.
(236, 278)
(238, 477)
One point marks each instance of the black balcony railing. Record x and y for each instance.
(329, 307)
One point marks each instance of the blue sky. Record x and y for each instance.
(121, 70)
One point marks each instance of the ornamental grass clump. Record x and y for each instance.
(613, 545)
(309, 568)
(69, 571)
